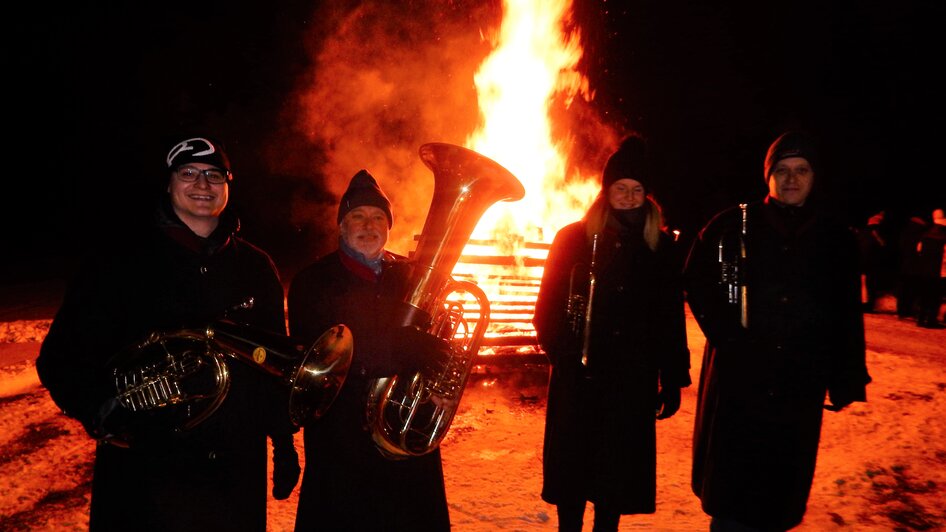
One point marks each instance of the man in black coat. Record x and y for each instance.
(188, 269)
(872, 244)
(932, 270)
(910, 267)
(771, 355)
(348, 483)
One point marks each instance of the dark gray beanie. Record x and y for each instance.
(791, 144)
(364, 190)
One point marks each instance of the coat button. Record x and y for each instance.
(620, 288)
(203, 270)
(212, 455)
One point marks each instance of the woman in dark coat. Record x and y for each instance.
(762, 386)
(348, 484)
(187, 270)
(600, 438)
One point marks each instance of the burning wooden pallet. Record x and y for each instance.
(511, 283)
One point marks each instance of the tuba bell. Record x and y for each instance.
(408, 415)
(175, 380)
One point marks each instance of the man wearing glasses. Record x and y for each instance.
(199, 193)
(188, 269)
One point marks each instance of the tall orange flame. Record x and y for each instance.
(534, 61)
(534, 64)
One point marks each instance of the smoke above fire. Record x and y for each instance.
(386, 78)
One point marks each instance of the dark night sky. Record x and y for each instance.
(95, 93)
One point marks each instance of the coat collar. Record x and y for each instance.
(170, 225)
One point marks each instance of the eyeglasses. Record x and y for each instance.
(214, 176)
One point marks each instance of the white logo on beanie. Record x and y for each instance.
(185, 146)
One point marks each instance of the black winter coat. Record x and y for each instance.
(213, 476)
(347, 484)
(930, 252)
(600, 441)
(762, 389)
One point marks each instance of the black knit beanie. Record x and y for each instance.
(364, 190)
(630, 161)
(198, 150)
(790, 144)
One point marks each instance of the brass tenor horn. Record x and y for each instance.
(409, 415)
(175, 380)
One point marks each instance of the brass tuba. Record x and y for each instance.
(408, 415)
(175, 380)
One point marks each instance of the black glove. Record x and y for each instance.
(285, 466)
(111, 419)
(416, 350)
(668, 401)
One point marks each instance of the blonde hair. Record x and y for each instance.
(597, 217)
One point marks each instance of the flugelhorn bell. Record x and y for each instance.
(314, 374)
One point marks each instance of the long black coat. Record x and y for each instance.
(762, 389)
(600, 442)
(347, 484)
(212, 477)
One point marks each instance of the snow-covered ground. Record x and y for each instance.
(882, 464)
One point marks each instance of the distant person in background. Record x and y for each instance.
(932, 270)
(909, 267)
(185, 271)
(600, 434)
(764, 379)
(873, 246)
